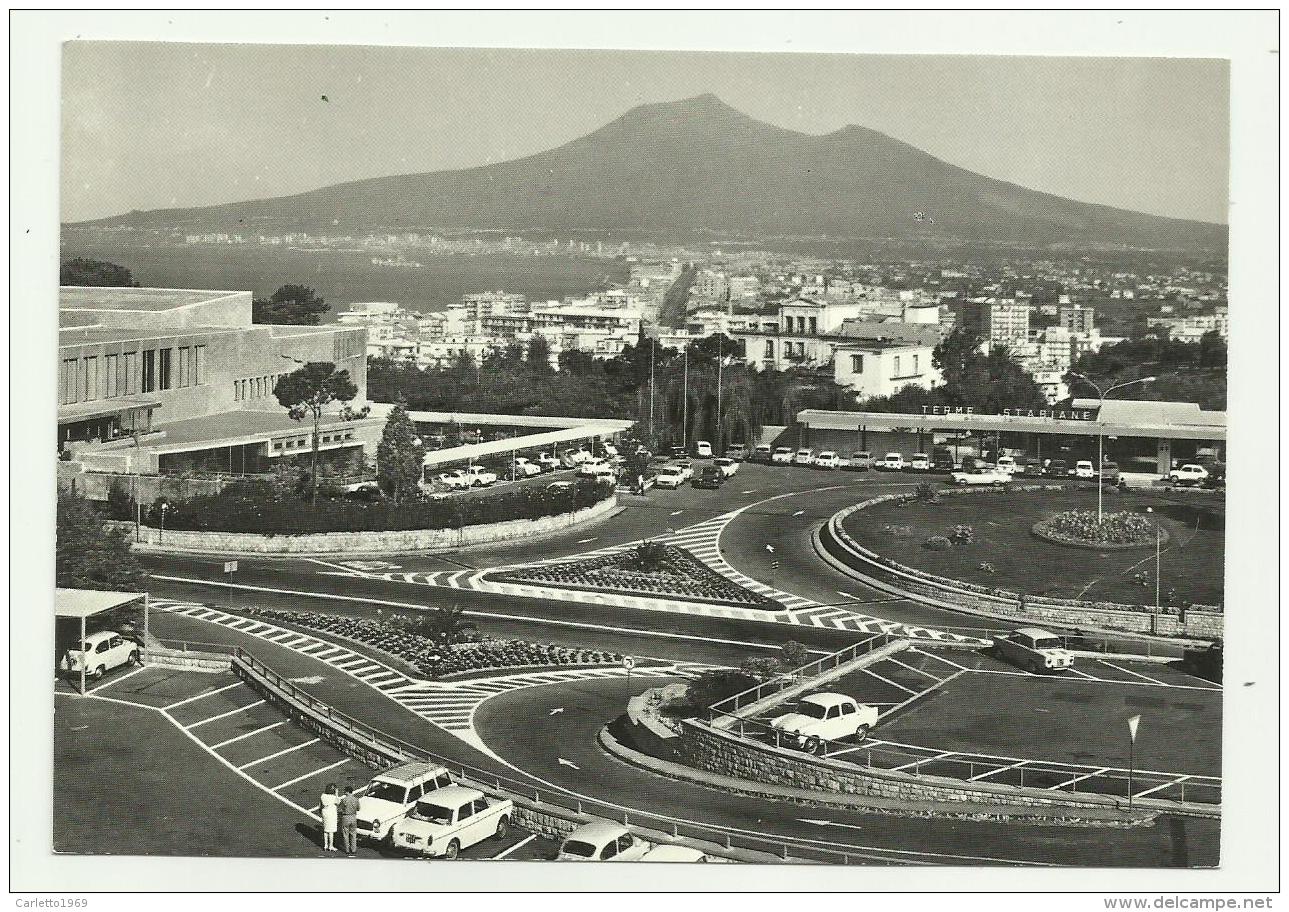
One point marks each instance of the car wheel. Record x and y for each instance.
(999, 484)
(503, 828)
(97, 673)
(861, 733)
(813, 745)
(452, 851)
(135, 658)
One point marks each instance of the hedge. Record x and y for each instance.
(252, 507)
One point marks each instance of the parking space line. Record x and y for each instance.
(231, 712)
(940, 658)
(279, 753)
(514, 848)
(1088, 679)
(1081, 674)
(921, 760)
(911, 668)
(1131, 672)
(200, 696)
(892, 683)
(278, 788)
(129, 674)
(1068, 782)
(248, 734)
(998, 769)
(1177, 781)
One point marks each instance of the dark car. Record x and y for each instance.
(942, 462)
(710, 477)
(1057, 468)
(1110, 472)
(677, 452)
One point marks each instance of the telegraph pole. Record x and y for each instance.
(720, 366)
(653, 347)
(684, 405)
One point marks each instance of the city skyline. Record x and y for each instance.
(152, 126)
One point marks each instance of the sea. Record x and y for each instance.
(347, 277)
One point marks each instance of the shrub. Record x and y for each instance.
(937, 543)
(962, 535)
(716, 685)
(986, 567)
(927, 493)
(1115, 528)
(794, 655)
(761, 667)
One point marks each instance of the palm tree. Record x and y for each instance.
(443, 626)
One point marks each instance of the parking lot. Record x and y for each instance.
(224, 730)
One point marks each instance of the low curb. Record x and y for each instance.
(871, 804)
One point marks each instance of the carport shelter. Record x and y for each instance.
(78, 606)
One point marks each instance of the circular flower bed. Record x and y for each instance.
(1115, 531)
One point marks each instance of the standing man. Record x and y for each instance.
(348, 813)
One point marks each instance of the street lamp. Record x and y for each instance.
(1158, 537)
(1132, 744)
(1100, 428)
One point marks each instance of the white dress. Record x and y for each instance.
(330, 818)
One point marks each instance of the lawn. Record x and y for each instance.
(1192, 558)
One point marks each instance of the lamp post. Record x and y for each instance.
(1100, 428)
(1132, 744)
(1158, 536)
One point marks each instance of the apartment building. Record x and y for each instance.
(883, 367)
(999, 321)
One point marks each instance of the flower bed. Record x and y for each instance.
(1115, 531)
(428, 658)
(660, 571)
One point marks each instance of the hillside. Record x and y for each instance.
(700, 165)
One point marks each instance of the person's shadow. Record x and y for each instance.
(313, 833)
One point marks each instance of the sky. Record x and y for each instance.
(154, 125)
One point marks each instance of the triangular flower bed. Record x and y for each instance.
(652, 570)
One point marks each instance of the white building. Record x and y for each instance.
(880, 368)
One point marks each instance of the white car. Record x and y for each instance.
(1189, 474)
(393, 793)
(597, 468)
(763, 453)
(574, 458)
(781, 456)
(893, 462)
(602, 841)
(526, 469)
(678, 854)
(480, 476)
(452, 819)
(548, 462)
(1084, 469)
(827, 460)
(99, 654)
(686, 468)
(669, 476)
(1034, 649)
(458, 480)
(804, 457)
(703, 449)
(920, 462)
(986, 477)
(825, 717)
(727, 466)
(1008, 464)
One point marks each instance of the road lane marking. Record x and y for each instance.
(1178, 781)
(116, 680)
(869, 671)
(1131, 672)
(223, 715)
(676, 513)
(921, 760)
(514, 848)
(248, 734)
(278, 788)
(799, 513)
(208, 693)
(586, 540)
(279, 754)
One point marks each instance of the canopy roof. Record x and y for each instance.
(83, 603)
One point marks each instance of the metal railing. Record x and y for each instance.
(745, 698)
(570, 803)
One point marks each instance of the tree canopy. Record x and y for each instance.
(290, 305)
(83, 271)
(1183, 371)
(306, 391)
(89, 554)
(400, 454)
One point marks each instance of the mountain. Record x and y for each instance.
(700, 165)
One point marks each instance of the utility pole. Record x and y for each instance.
(1101, 430)
(720, 367)
(653, 347)
(684, 405)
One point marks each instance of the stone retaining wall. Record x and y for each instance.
(212, 662)
(358, 543)
(1191, 622)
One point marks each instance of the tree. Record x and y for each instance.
(1212, 350)
(539, 355)
(793, 655)
(82, 271)
(90, 555)
(290, 305)
(717, 684)
(306, 392)
(443, 626)
(400, 454)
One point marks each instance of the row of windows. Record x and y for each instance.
(297, 442)
(255, 387)
(800, 324)
(129, 373)
(857, 365)
(348, 345)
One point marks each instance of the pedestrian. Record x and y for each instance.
(330, 817)
(348, 813)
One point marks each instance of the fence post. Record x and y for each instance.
(1183, 785)
(1022, 776)
(537, 798)
(728, 844)
(675, 830)
(625, 821)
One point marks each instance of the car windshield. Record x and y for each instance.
(432, 813)
(813, 710)
(387, 791)
(578, 848)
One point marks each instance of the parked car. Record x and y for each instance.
(892, 462)
(602, 841)
(1057, 468)
(678, 854)
(1007, 464)
(574, 458)
(547, 462)
(703, 449)
(452, 819)
(669, 476)
(1083, 469)
(710, 477)
(558, 486)
(363, 490)
(597, 468)
(987, 477)
(825, 717)
(525, 469)
(737, 452)
(1034, 649)
(860, 461)
(827, 460)
(1110, 472)
(920, 462)
(100, 653)
(1189, 474)
(726, 465)
(942, 462)
(804, 457)
(676, 452)
(391, 795)
(781, 456)
(762, 453)
(686, 468)
(481, 476)
(457, 480)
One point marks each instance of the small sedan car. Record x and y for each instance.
(703, 449)
(920, 462)
(893, 462)
(942, 462)
(547, 462)
(987, 477)
(711, 477)
(388, 798)
(686, 468)
(804, 457)
(1083, 469)
(827, 460)
(726, 465)
(456, 481)
(1034, 650)
(99, 654)
(1189, 474)
(452, 819)
(781, 456)
(1008, 464)
(602, 841)
(859, 462)
(525, 469)
(669, 476)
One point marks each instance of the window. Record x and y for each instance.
(897, 365)
(834, 712)
(149, 370)
(199, 364)
(467, 810)
(814, 325)
(415, 793)
(91, 388)
(856, 364)
(126, 383)
(192, 366)
(915, 364)
(609, 851)
(769, 348)
(112, 364)
(102, 647)
(114, 642)
(848, 709)
(165, 372)
(185, 376)
(67, 381)
(625, 841)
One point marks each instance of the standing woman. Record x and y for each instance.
(330, 817)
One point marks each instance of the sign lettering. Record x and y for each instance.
(1054, 414)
